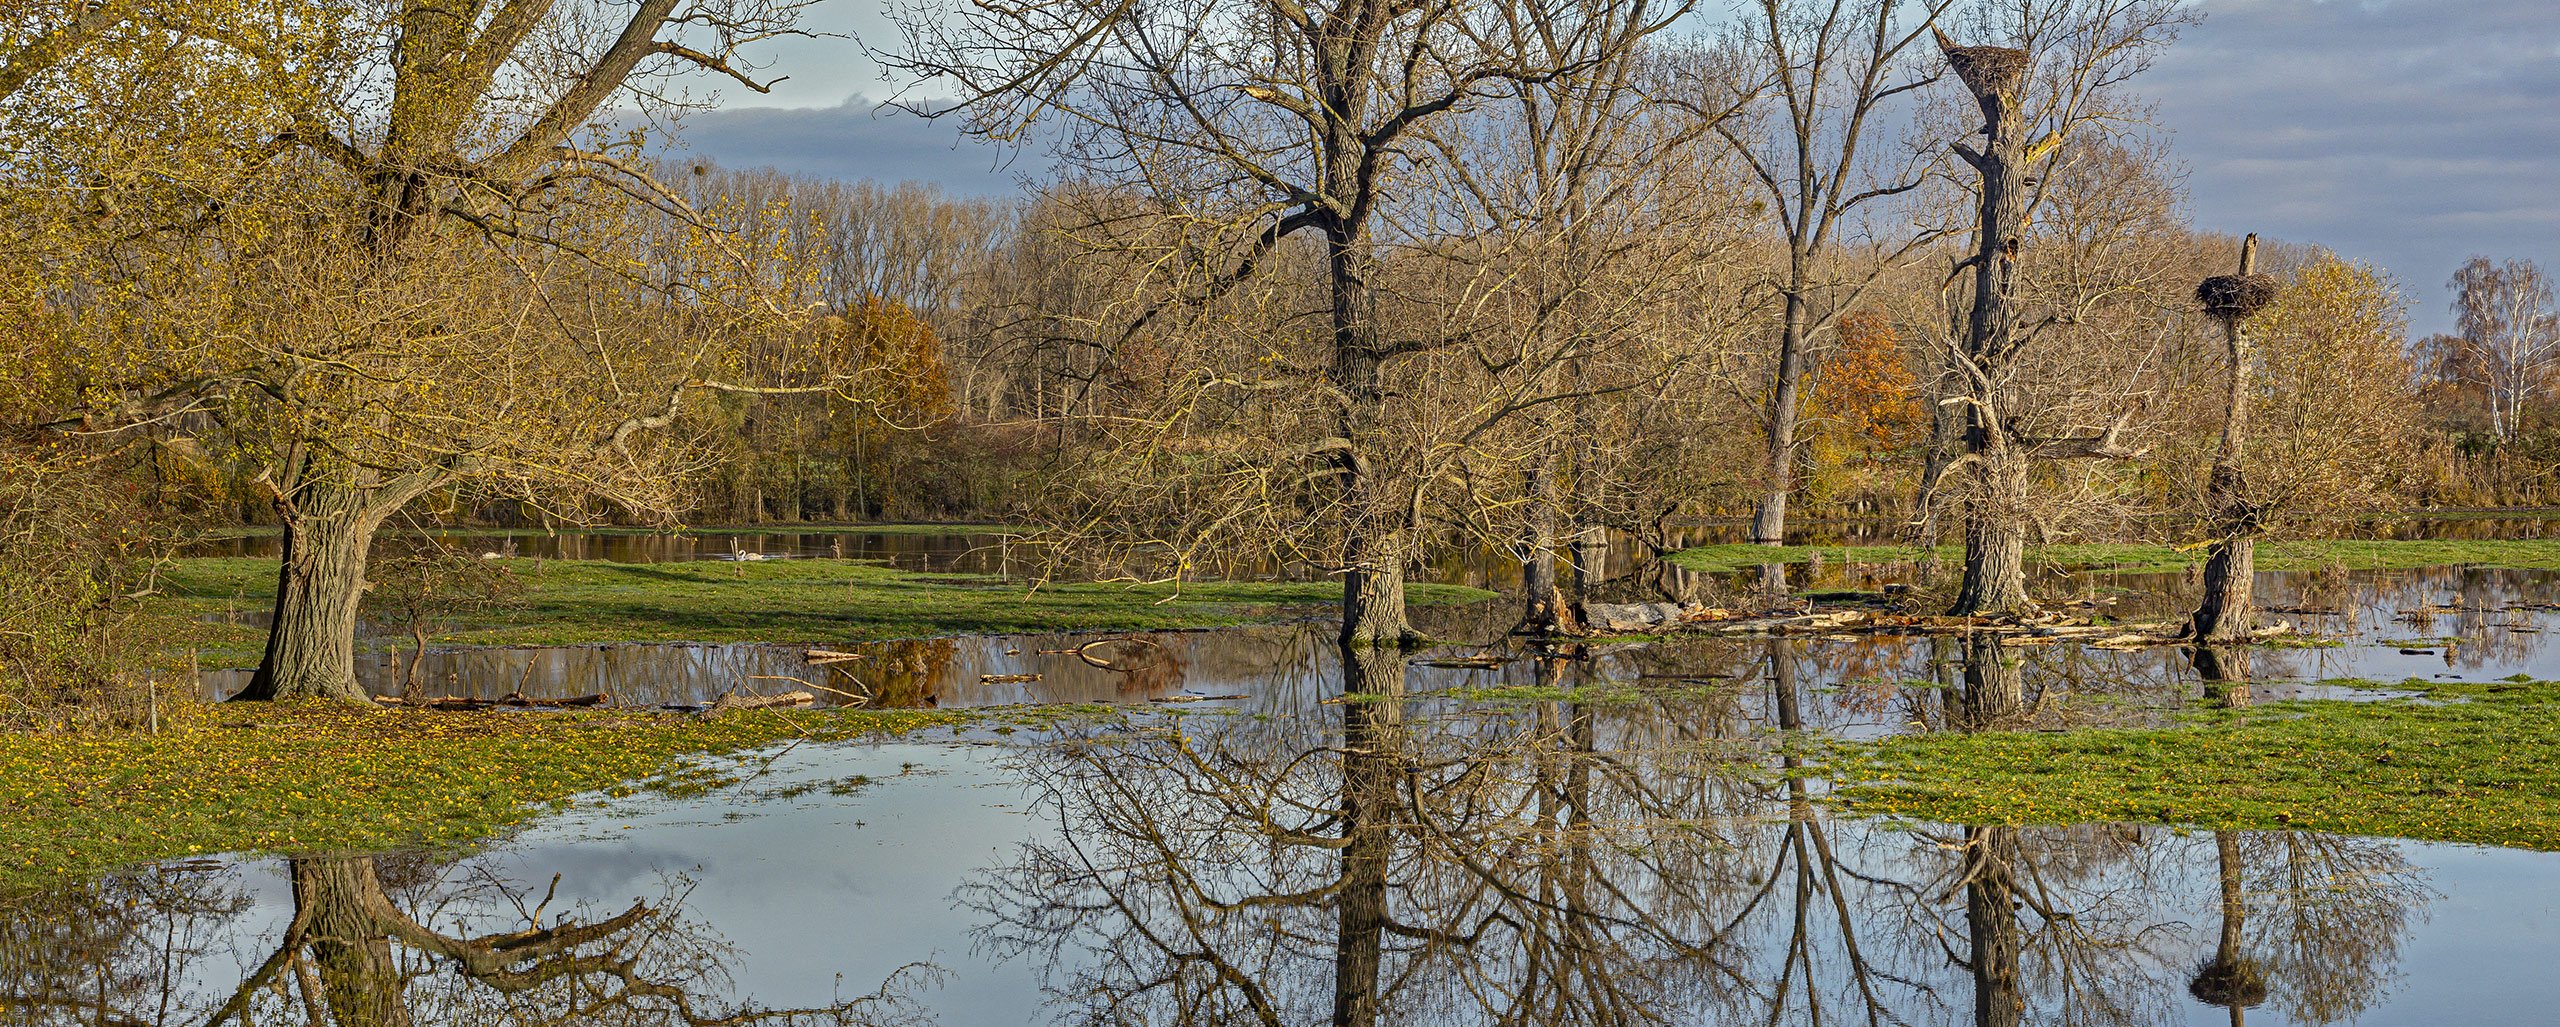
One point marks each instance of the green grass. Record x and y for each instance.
(2354, 554)
(813, 528)
(569, 602)
(325, 777)
(2453, 762)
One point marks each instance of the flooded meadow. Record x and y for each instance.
(1253, 825)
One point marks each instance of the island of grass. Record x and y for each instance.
(207, 606)
(2138, 558)
(2430, 760)
(323, 776)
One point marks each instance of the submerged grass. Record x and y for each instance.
(2131, 557)
(568, 602)
(2437, 761)
(326, 776)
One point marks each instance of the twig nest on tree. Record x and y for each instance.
(1988, 69)
(2236, 295)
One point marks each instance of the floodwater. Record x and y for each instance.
(1498, 837)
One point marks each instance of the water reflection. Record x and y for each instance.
(1569, 863)
(1610, 836)
(368, 941)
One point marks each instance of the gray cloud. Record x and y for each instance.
(854, 140)
(2408, 133)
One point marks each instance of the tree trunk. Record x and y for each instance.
(2225, 670)
(1544, 608)
(1995, 689)
(1995, 504)
(2226, 613)
(1769, 522)
(1995, 567)
(311, 644)
(1374, 537)
(1373, 593)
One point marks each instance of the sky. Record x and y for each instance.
(2410, 134)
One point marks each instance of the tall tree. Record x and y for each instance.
(2227, 613)
(1244, 123)
(2510, 335)
(2074, 57)
(417, 272)
(1834, 70)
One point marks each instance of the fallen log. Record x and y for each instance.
(1006, 679)
(513, 700)
(733, 702)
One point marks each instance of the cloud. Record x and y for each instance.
(2407, 133)
(856, 139)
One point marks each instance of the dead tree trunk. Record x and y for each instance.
(2226, 613)
(1544, 608)
(1993, 464)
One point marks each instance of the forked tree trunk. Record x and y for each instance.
(319, 587)
(1995, 486)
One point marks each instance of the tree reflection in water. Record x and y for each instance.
(1405, 860)
(358, 951)
(1381, 858)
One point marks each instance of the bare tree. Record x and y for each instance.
(1835, 68)
(1245, 123)
(2074, 58)
(2510, 335)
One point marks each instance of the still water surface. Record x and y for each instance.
(1489, 844)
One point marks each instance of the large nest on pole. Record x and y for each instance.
(1988, 69)
(2236, 295)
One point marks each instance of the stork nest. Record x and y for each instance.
(2238, 983)
(1988, 69)
(2236, 295)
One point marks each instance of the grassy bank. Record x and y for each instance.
(2352, 554)
(580, 601)
(2473, 762)
(810, 528)
(322, 777)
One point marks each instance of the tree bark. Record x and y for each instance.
(1544, 608)
(311, 643)
(343, 899)
(1995, 500)
(1769, 521)
(1374, 538)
